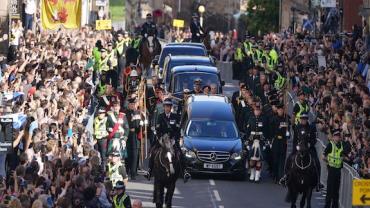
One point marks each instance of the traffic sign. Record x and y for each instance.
(178, 23)
(103, 24)
(361, 192)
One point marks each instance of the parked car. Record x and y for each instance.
(211, 140)
(182, 77)
(173, 61)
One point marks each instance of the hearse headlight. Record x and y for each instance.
(236, 156)
(188, 153)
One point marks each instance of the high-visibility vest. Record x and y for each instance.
(274, 56)
(100, 127)
(113, 172)
(247, 46)
(103, 65)
(113, 58)
(119, 204)
(119, 47)
(136, 43)
(239, 55)
(280, 81)
(301, 110)
(334, 157)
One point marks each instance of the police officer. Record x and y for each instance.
(281, 128)
(101, 133)
(133, 144)
(300, 107)
(238, 60)
(197, 87)
(120, 198)
(149, 29)
(196, 29)
(333, 155)
(116, 170)
(118, 130)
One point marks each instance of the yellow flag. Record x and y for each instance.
(66, 13)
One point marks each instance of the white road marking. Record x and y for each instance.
(212, 198)
(212, 182)
(221, 206)
(217, 195)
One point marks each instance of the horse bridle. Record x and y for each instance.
(302, 167)
(162, 164)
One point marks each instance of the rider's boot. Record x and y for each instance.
(148, 174)
(258, 175)
(251, 177)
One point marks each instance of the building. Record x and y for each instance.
(293, 12)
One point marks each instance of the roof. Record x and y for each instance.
(208, 98)
(211, 110)
(187, 44)
(191, 58)
(194, 68)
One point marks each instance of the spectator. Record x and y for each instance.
(30, 10)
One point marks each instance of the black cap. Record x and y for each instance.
(304, 115)
(103, 50)
(167, 101)
(244, 87)
(186, 91)
(148, 15)
(115, 154)
(110, 44)
(195, 15)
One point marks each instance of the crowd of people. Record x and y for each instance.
(332, 74)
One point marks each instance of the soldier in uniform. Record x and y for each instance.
(255, 132)
(101, 133)
(109, 97)
(252, 81)
(133, 143)
(197, 87)
(236, 95)
(157, 110)
(118, 130)
(116, 169)
(281, 128)
(243, 110)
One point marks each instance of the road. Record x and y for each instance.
(220, 192)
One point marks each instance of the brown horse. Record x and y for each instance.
(149, 48)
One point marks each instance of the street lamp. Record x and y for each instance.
(201, 10)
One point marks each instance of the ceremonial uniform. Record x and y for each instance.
(133, 142)
(118, 133)
(169, 124)
(281, 128)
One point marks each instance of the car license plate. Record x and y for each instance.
(212, 166)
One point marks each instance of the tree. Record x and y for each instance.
(263, 16)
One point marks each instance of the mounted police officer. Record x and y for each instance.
(304, 130)
(168, 123)
(300, 107)
(120, 198)
(149, 31)
(281, 128)
(101, 133)
(133, 143)
(196, 29)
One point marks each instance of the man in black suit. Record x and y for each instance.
(196, 30)
(253, 80)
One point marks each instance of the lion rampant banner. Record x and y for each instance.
(56, 13)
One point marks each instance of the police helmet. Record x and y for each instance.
(115, 154)
(336, 132)
(101, 110)
(304, 115)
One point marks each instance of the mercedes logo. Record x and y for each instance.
(213, 156)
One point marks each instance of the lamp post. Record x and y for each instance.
(201, 10)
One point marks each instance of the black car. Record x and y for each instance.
(173, 61)
(211, 140)
(180, 49)
(182, 77)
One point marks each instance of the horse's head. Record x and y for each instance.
(167, 146)
(302, 147)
